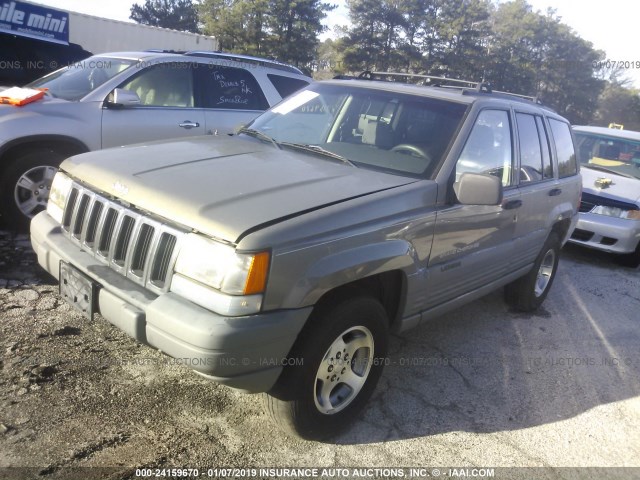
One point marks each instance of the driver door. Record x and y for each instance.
(167, 107)
(473, 244)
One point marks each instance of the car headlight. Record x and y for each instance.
(60, 188)
(218, 278)
(616, 212)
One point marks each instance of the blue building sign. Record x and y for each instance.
(34, 21)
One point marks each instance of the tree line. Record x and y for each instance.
(508, 45)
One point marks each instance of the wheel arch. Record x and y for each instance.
(379, 269)
(60, 143)
(561, 228)
(388, 287)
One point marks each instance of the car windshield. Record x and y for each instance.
(398, 133)
(77, 80)
(609, 154)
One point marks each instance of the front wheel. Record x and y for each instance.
(25, 186)
(332, 370)
(527, 293)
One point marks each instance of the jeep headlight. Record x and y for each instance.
(218, 278)
(616, 212)
(60, 188)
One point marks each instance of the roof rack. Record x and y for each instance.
(246, 59)
(467, 87)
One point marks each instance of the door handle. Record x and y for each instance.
(555, 192)
(512, 204)
(188, 124)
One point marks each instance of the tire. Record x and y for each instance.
(631, 260)
(342, 351)
(528, 292)
(25, 185)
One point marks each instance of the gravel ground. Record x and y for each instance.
(479, 387)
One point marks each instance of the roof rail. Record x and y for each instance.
(432, 80)
(534, 99)
(467, 87)
(265, 62)
(162, 50)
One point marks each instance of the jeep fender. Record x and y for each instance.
(348, 266)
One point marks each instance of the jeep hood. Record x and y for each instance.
(224, 186)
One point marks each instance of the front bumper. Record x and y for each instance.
(609, 234)
(246, 353)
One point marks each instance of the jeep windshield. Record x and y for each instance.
(394, 132)
(609, 154)
(77, 80)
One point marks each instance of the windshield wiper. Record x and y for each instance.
(608, 170)
(260, 135)
(320, 150)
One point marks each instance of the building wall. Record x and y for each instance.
(100, 35)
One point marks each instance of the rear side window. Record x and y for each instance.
(535, 161)
(530, 149)
(547, 170)
(164, 85)
(230, 88)
(286, 85)
(567, 165)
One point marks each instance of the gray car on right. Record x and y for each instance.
(610, 208)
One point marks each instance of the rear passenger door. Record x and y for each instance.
(231, 97)
(537, 185)
(472, 244)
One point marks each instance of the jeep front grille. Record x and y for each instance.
(133, 244)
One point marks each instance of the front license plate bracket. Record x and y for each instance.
(77, 289)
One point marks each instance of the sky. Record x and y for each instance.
(611, 26)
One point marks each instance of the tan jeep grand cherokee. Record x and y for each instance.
(278, 260)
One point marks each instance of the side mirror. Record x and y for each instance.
(120, 98)
(478, 189)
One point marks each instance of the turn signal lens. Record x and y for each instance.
(257, 277)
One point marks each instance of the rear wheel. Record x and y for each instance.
(332, 370)
(527, 293)
(25, 186)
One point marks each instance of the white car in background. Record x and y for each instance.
(610, 207)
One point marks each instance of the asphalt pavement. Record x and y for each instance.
(481, 387)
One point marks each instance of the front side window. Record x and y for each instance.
(164, 85)
(565, 151)
(397, 133)
(488, 148)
